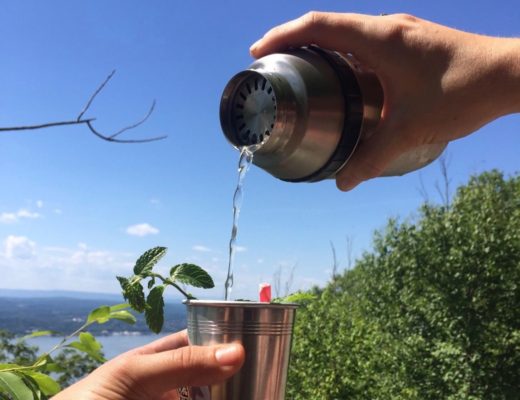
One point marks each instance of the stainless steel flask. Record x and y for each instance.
(306, 110)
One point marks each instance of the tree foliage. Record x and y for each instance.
(432, 312)
(26, 376)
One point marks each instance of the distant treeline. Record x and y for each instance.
(63, 315)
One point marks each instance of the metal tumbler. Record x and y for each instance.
(265, 331)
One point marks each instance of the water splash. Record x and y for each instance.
(244, 162)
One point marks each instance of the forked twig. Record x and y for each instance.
(88, 122)
(150, 111)
(99, 89)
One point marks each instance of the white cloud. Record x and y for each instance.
(240, 249)
(23, 213)
(39, 204)
(19, 247)
(142, 230)
(24, 264)
(57, 211)
(9, 218)
(201, 248)
(83, 255)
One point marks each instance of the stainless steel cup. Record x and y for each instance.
(265, 331)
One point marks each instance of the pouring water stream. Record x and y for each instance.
(245, 161)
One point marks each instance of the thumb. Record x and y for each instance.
(187, 366)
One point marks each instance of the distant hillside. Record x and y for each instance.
(65, 313)
(24, 293)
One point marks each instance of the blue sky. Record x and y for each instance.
(75, 211)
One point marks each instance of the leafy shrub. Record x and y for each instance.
(432, 312)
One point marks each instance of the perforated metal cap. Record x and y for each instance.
(248, 109)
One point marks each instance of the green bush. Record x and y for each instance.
(432, 312)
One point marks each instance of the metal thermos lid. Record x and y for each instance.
(304, 107)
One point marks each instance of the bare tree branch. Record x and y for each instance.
(109, 139)
(334, 262)
(88, 122)
(444, 191)
(422, 189)
(48, 125)
(277, 281)
(289, 280)
(99, 89)
(349, 242)
(142, 121)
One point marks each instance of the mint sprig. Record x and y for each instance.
(153, 303)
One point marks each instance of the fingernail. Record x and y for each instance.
(228, 355)
(255, 45)
(345, 186)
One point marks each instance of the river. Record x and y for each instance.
(112, 345)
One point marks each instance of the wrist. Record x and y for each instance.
(507, 73)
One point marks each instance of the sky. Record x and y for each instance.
(76, 211)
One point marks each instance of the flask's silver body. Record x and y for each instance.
(306, 110)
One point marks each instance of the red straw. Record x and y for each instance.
(265, 293)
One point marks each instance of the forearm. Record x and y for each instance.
(482, 81)
(508, 71)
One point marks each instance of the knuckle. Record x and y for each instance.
(393, 33)
(122, 366)
(406, 17)
(399, 28)
(122, 370)
(313, 19)
(186, 357)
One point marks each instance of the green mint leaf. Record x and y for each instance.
(99, 315)
(35, 389)
(9, 366)
(151, 283)
(123, 282)
(13, 385)
(297, 297)
(118, 307)
(146, 262)
(46, 384)
(89, 345)
(124, 316)
(192, 275)
(53, 367)
(36, 334)
(154, 313)
(134, 293)
(41, 361)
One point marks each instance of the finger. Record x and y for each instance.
(170, 342)
(369, 160)
(171, 395)
(187, 366)
(341, 32)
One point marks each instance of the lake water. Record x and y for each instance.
(112, 345)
